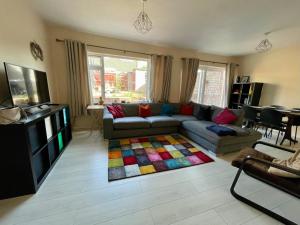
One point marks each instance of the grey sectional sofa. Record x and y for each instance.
(133, 126)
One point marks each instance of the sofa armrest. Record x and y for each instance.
(108, 121)
(268, 163)
(273, 146)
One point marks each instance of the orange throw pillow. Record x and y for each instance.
(144, 110)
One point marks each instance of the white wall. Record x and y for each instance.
(279, 69)
(60, 70)
(19, 25)
(59, 62)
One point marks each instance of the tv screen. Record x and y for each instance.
(28, 87)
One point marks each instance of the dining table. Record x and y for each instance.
(291, 114)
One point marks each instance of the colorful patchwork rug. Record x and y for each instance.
(139, 156)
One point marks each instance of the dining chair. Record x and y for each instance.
(251, 116)
(272, 119)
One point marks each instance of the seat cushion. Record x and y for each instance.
(182, 118)
(200, 128)
(133, 122)
(162, 121)
(292, 185)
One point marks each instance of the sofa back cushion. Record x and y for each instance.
(155, 108)
(226, 116)
(204, 113)
(215, 110)
(130, 109)
(198, 107)
(176, 107)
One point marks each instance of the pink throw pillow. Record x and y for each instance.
(116, 111)
(225, 117)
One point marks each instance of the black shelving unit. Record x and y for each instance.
(245, 94)
(30, 148)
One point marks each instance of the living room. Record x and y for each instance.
(116, 138)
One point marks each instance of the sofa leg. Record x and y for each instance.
(253, 204)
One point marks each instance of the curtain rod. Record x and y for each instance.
(117, 49)
(210, 61)
(213, 62)
(122, 50)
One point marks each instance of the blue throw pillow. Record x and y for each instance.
(167, 110)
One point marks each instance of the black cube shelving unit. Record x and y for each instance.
(245, 94)
(30, 148)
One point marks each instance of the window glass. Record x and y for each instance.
(210, 85)
(124, 79)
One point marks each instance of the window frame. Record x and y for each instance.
(102, 72)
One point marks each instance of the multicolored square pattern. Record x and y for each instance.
(139, 156)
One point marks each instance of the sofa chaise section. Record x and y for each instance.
(196, 131)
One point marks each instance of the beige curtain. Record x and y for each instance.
(231, 73)
(188, 80)
(161, 71)
(78, 84)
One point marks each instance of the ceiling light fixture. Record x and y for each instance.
(143, 23)
(265, 45)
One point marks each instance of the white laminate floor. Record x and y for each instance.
(77, 192)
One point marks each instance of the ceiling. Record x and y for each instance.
(225, 27)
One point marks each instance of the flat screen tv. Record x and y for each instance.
(28, 87)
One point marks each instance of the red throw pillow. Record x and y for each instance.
(225, 117)
(144, 110)
(187, 109)
(116, 111)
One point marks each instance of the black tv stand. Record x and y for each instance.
(37, 109)
(30, 148)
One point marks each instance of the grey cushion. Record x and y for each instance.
(133, 122)
(215, 110)
(155, 108)
(197, 107)
(199, 128)
(238, 112)
(163, 121)
(176, 107)
(130, 109)
(182, 118)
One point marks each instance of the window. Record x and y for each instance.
(118, 79)
(210, 86)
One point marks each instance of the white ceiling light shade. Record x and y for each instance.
(265, 45)
(143, 23)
